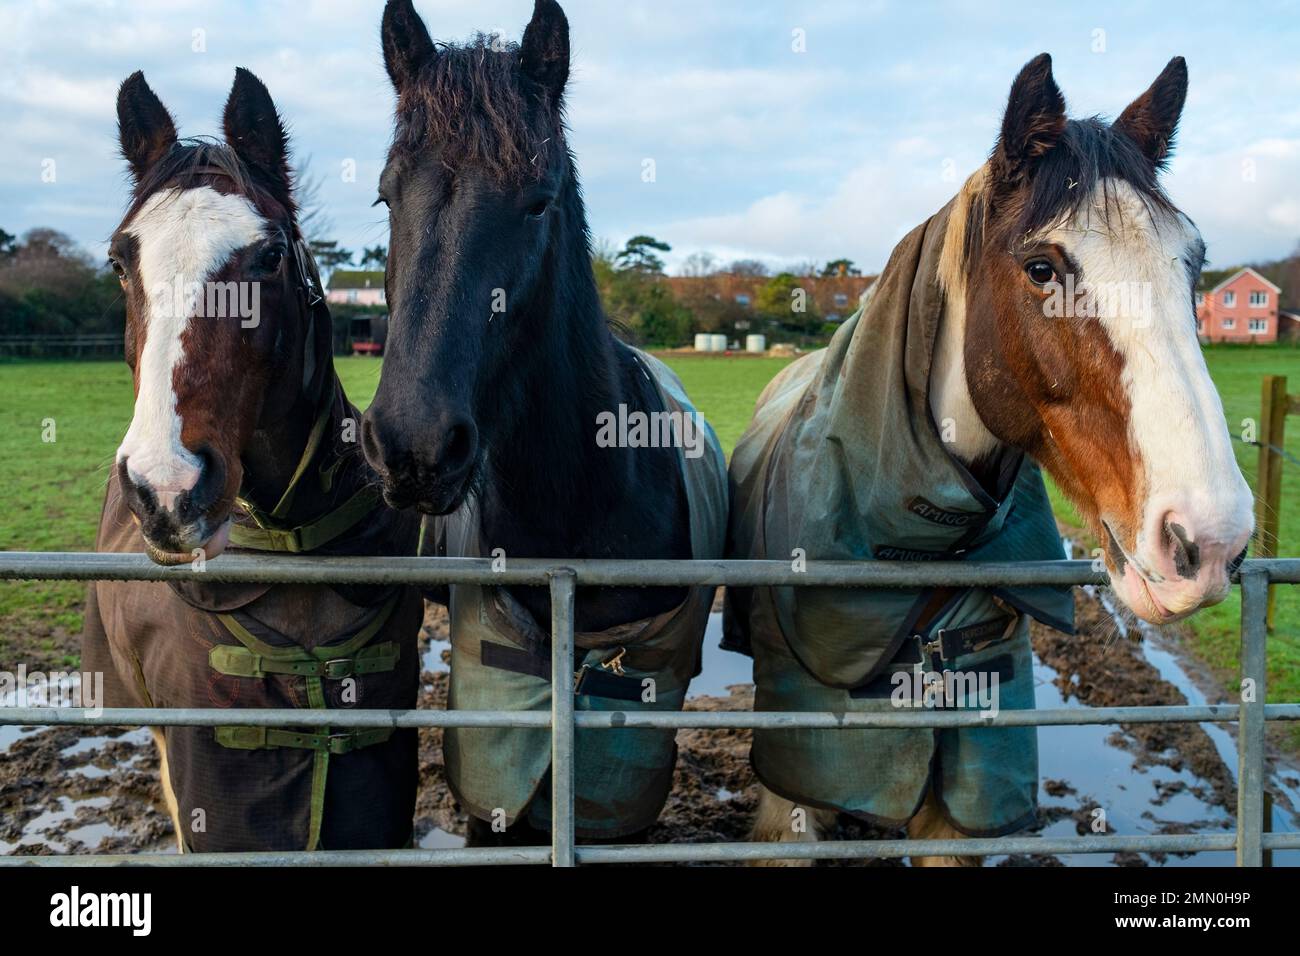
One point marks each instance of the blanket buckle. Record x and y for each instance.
(615, 663)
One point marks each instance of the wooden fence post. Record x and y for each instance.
(1268, 482)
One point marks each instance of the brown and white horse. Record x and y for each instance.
(1114, 400)
(242, 435)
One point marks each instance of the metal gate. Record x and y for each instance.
(1249, 840)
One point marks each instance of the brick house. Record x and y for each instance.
(835, 297)
(355, 287)
(1243, 307)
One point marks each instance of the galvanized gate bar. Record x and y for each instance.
(685, 720)
(676, 852)
(603, 572)
(447, 856)
(1250, 729)
(562, 733)
(275, 569)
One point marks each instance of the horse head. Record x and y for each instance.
(1073, 275)
(217, 319)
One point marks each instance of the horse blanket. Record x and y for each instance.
(500, 660)
(843, 461)
(200, 644)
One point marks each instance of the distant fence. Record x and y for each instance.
(106, 345)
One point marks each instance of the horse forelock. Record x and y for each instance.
(473, 103)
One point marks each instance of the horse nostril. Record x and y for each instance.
(139, 497)
(1187, 553)
(207, 487)
(457, 448)
(370, 444)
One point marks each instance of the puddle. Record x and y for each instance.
(440, 839)
(721, 668)
(44, 828)
(1147, 799)
(431, 658)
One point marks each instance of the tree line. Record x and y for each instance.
(49, 285)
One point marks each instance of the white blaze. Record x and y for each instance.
(182, 238)
(1137, 259)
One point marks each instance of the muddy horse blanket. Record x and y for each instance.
(198, 644)
(500, 660)
(843, 461)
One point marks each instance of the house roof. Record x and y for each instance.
(1233, 277)
(356, 279)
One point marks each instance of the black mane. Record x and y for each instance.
(474, 103)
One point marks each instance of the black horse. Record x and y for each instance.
(499, 365)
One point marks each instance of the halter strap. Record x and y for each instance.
(270, 533)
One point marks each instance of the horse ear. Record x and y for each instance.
(544, 52)
(253, 128)
(145, 129)
(1034, 120)
(406, 40)
(1151, 119)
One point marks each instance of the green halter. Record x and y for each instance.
(271, 532)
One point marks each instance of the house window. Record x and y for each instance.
(742, 299)
(382, 296)
(352, 295)
(1229, 323)
(1259, 325)
(841, 299)
(1200, 299)
(1258, 300)
(1229, 299)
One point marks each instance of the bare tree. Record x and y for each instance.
(314, 222)
(751, 268)
(700, 264)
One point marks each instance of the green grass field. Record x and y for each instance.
(53, 490)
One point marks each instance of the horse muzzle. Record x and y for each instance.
(432, 473)
(177, 524)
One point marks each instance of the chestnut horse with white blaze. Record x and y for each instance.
(242, 437)
(1044, 317)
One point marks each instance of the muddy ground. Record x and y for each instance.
(63, 791)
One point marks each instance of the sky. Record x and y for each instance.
(783, 131)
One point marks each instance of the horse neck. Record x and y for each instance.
(950, 399)
(545, 469)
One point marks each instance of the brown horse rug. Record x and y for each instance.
(196, 644)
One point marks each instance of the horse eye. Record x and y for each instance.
(270, 259)
(1040, 271)
(119, 270)
(538, 209)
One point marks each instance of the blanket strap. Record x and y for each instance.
(254, 658)
(270, 738)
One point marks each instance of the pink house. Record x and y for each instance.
(1241, 308)
(355, 287)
